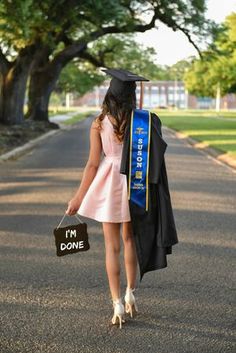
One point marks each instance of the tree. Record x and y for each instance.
(215, 74)
(16, 55)
(78, 77)
(177, 71)
(26, 26)
(105, 18)
(50, 34)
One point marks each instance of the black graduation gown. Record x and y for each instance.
(154, 230)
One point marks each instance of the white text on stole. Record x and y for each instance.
(139, 153)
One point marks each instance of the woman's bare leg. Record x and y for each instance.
(130, 255)
(112, 246)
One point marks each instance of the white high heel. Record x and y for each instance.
(119, 311)
(130, 302)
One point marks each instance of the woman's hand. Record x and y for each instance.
(73, 206)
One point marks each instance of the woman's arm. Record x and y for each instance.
(90, 169)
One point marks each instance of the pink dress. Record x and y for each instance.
(106, 199)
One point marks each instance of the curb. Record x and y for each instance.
(203, 147)
(18, 151)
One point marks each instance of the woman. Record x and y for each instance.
(102, 194)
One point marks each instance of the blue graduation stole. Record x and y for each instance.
(140, 132)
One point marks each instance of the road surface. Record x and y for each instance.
(63, 305)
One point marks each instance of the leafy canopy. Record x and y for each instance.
(218, 65)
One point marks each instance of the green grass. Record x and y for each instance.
(205, 127)
(58, 112)
(199, 112)
(78, 117)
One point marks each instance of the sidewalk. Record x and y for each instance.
(204, 148)
(18, 151)
(60, 118)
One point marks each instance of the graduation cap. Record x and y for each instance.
(123, 83)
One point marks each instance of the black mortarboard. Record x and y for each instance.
(123, 82)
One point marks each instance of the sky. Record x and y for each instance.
(173, 46)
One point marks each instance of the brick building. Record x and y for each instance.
(160, 94)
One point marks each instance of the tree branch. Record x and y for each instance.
(94, 61)
(80, 46)
(186, 32)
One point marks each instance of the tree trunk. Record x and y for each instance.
(1, 95)
(42, 84)
(44, 76)
(218, 97)
(39, 95)
(13, 89)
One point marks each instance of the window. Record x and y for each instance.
(154, 88)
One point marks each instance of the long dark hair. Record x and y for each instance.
(119, 110)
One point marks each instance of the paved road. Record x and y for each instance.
(62, 305)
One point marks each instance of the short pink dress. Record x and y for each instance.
(106, 199)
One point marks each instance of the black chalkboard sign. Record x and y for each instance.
(71, 239)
